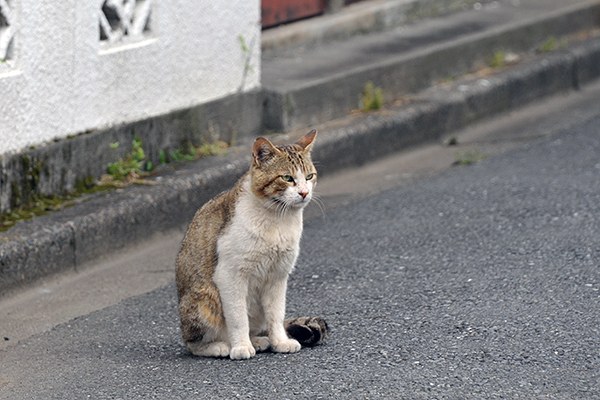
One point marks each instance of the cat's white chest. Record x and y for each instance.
(260, 242)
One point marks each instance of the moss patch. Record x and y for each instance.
(133, 168)
(42, 205)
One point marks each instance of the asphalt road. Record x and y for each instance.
(480, 282)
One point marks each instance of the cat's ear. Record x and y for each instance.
(307, 140)
(263, 150)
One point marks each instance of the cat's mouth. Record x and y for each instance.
(287, 204)
(303, 202)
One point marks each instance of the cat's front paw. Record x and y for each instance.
(242, 352)
(286, 346)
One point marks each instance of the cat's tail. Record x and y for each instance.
(309, 331)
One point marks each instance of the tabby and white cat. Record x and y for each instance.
(235, 258)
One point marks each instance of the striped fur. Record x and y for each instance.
(309, 331)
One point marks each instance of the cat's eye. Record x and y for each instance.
(310, 176)
(287, 178)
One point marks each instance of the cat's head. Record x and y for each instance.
(284, 176)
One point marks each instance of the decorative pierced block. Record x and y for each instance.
(7, 30)
(124, 20)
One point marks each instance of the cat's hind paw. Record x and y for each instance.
(214, 349)
(286, 346)
(242, 352)
(260, 343)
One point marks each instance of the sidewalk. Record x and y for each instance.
(320, 87)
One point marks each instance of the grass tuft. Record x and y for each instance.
(371, 98)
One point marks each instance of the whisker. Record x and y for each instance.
(319, 202)
(270, 204)
(284, 208)
(321, 206)
(279, 209)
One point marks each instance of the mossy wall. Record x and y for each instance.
(71, 164)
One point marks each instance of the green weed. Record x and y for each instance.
(247, 54)
(215, 148)
(551, 44)
(133, 166)
(371, 98)
(191, 153)
(469, 157)
(243, 45)
(498, 60)
(179, 155)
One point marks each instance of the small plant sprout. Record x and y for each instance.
(129, 169)
(552, 44)
(246, 49)
(498, 59)
(468, 157)
(371, 98)
(501, 59)
(549, 45)
(215, 148)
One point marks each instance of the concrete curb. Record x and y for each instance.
(291, 107)
(105, 223)
(359, 18)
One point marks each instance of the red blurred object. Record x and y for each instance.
(275, 12)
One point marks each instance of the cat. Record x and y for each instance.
(237, 253)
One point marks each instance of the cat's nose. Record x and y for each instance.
(303, 193)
